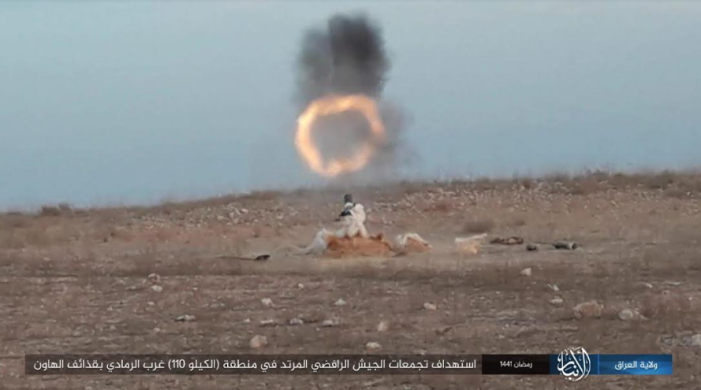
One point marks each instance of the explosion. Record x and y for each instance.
(342, 70)
(332, 105)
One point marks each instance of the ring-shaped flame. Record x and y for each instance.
(330, 105)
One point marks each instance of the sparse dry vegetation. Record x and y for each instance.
(87, 271)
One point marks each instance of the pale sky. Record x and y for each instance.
(130, 102)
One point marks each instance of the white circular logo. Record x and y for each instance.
(574, 364)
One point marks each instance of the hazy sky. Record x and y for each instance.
(135, 101)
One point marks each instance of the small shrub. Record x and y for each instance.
(50, 211)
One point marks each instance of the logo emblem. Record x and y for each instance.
(574, 364)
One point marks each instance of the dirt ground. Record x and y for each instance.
(76, 281)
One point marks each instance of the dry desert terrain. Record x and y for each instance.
(77, 281)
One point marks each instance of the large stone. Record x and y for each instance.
(590, 309)
(258, 342)
(296, 321)
(372, 346)
(629, 315)
(556, 301)
(267, 302)
(185, 318)
(696, 340)
(155, 278)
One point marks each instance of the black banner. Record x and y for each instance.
(252, 364)
(258, 364)
(515, 364)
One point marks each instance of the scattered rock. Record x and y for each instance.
(565, 245)
(247, 321)
(696, 340)
(151, 303)
(185, 318)
(443, 330)
(155, 278)
(267, 302)
(626, 315)
(258, 342)
(372, 346)
(340, 302)
(648, 285)
(590, 309)
(156, 288)
(328, 323)
(532, 247)
(300, 286)
(684, 338)
(296, 321)
(630, 315)
(556, 301)
(554, 287)
(383, 326)
(268, 322)
(527, 272)
(672, 283)
(430, 306)
(513, 240)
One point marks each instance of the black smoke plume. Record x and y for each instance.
(348, 56)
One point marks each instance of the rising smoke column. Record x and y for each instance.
(348, 56)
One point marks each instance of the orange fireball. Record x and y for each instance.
(331, 105)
